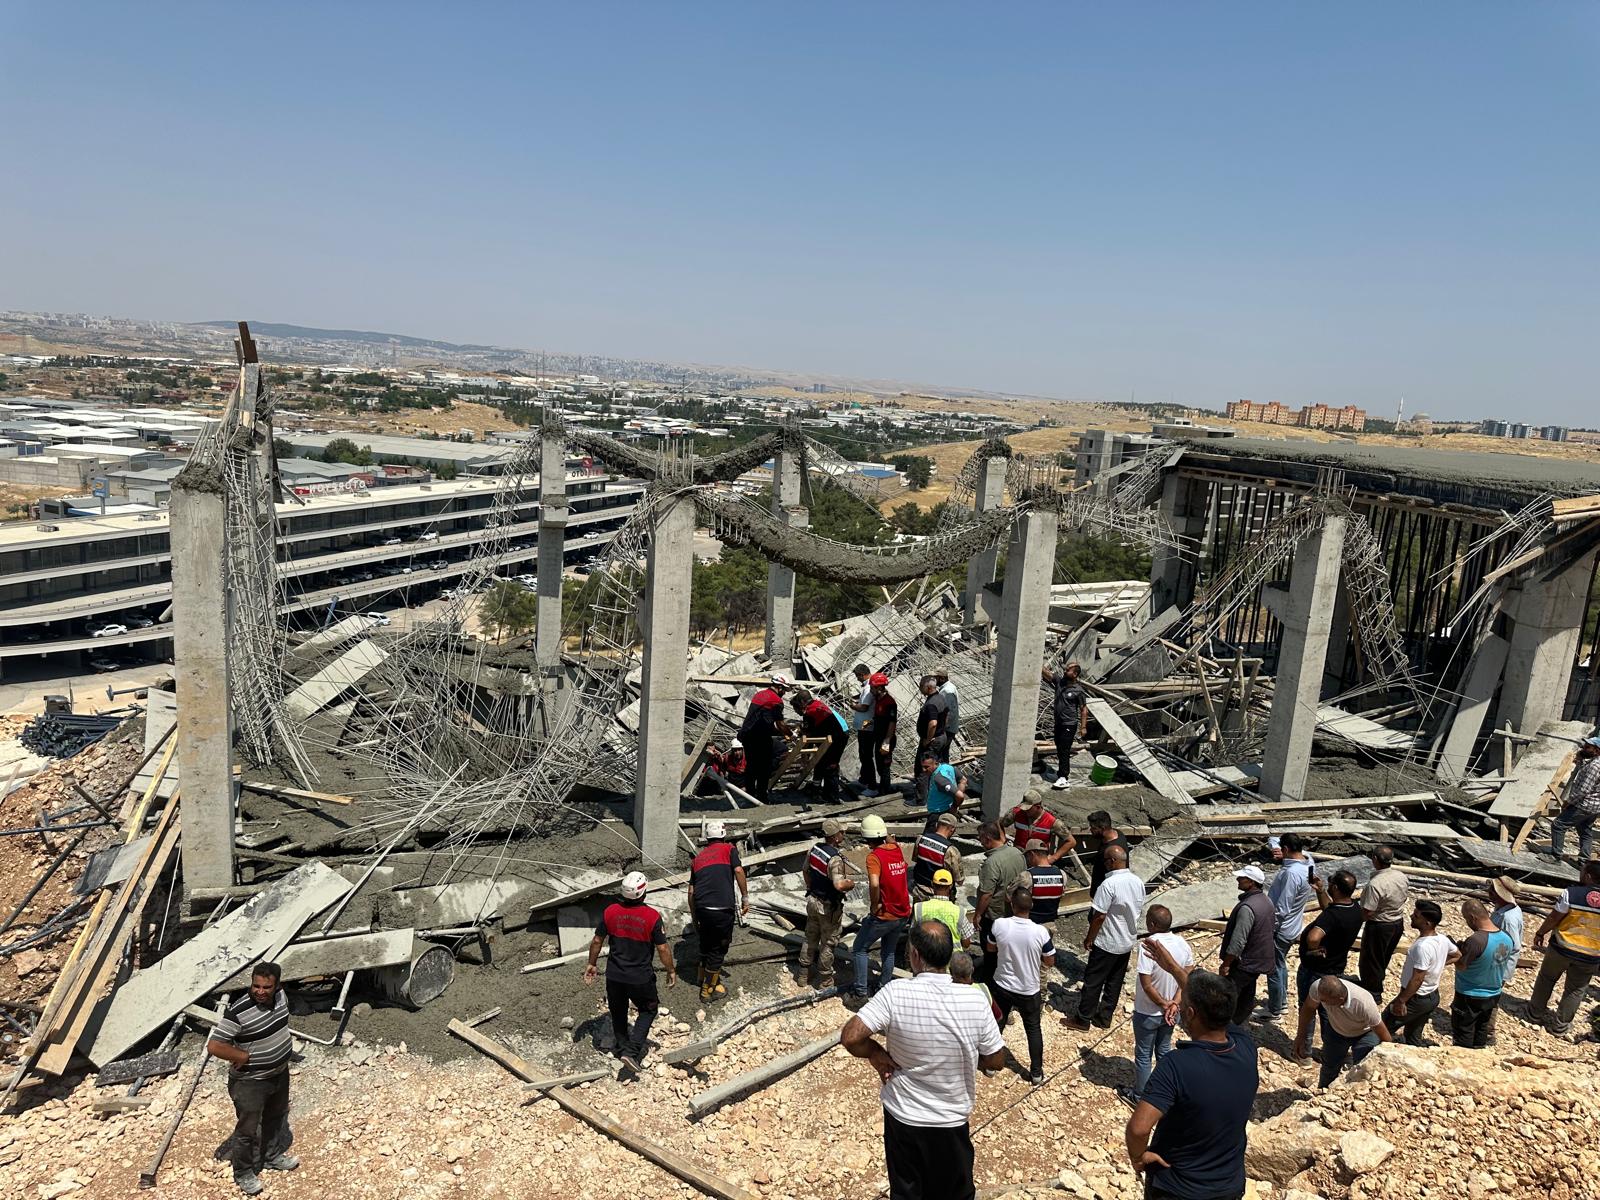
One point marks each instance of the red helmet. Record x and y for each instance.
(879, 680)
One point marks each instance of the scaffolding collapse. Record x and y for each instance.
(377, 806)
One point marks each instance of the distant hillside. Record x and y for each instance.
(273, 329)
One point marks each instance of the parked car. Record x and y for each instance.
(377, 618)
(138, 622)
(101, 663)
(430, 536)
(109, 631)
(390, 541)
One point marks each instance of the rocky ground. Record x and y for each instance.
(381, 1121)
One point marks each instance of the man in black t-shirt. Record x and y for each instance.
(1100, 826)
(1325, 944)
(1071, 710)
(1198, 1100)
(636, 931)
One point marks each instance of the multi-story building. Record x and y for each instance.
(1320, 416)
(64, 580)
(1271, 412)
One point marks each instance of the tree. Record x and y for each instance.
(447, 470)
(918, 468)
(281, 449)
(343, 450)
(510, 608)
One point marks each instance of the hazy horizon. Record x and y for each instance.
(1169, 203)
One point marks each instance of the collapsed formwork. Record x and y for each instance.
(399, 793)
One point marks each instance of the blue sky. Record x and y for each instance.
(1344, 202)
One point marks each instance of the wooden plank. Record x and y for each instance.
(487, 1046)
(263, 925)
(758, 1077)
(1537, 770)
(274, 789)
(1492, 854)
(675, 1164)
(1156, 775)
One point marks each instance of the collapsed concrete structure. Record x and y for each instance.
(397, 793)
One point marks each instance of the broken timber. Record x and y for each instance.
(1138, 753)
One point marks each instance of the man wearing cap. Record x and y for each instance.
(1507, 915)
(1113, 932)
(636, 931)
(1030, 821)
(1573, 928)
(885, 730)
(1582, 807)
(947, 791)
(818, 720)
(763, 729)
(861, 722)
(1424, 966)
(888, 904)
(827, 880)
(940, 906)
(1071, 709)
(712, 877)
(934, 852)
(1046, 884)
(1247, 940)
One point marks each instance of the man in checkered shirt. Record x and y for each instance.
(1582, 808)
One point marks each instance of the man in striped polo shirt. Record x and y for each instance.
(253, 1039)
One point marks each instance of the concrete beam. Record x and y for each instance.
(1546, 622)
(1186, 507)
(1483, 677)
(664, 683)
(553, 514)
(200, 657)
(780, 579)
(1024, 613)
(1313, 592)
(990, 495)
(328, 684)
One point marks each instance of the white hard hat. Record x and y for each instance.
(633, 885)
(779, 679)
(716, 829)
(737, 744)
(872, 826)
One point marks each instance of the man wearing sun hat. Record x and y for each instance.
(1506, 914)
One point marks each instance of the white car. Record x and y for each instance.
(109, 631)
(390, 541)
(377, 618)
(104, 664)
(430, 536)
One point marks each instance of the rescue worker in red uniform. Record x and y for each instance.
(885, 730)
(818, 720)
(888, 904)
(764, 730)
(635, 931)
(712, 876)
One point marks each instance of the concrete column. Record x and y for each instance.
(200, 656)
(1340, 627)
(1483, 677)
(1024, 613)
(1546, 622)
(1186, 506)
(552, 548)
(1297, 690)
(990, 495)
(665, 682)
(780, 579)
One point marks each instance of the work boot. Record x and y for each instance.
(282, 1162)
(247, 1181)
(706, 979)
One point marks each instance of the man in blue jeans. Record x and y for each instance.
(1290, 892)
(888, 905)
(1352, 1024)
(1163, 967)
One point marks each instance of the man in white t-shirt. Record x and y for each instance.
(937, 1034)
(1113, 929)
(1408, 1013)
(1156, 992)
(1021, 948)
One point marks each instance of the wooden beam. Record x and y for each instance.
(486, 1045)
(675, 1164)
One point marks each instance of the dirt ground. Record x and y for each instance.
(378, 1119)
